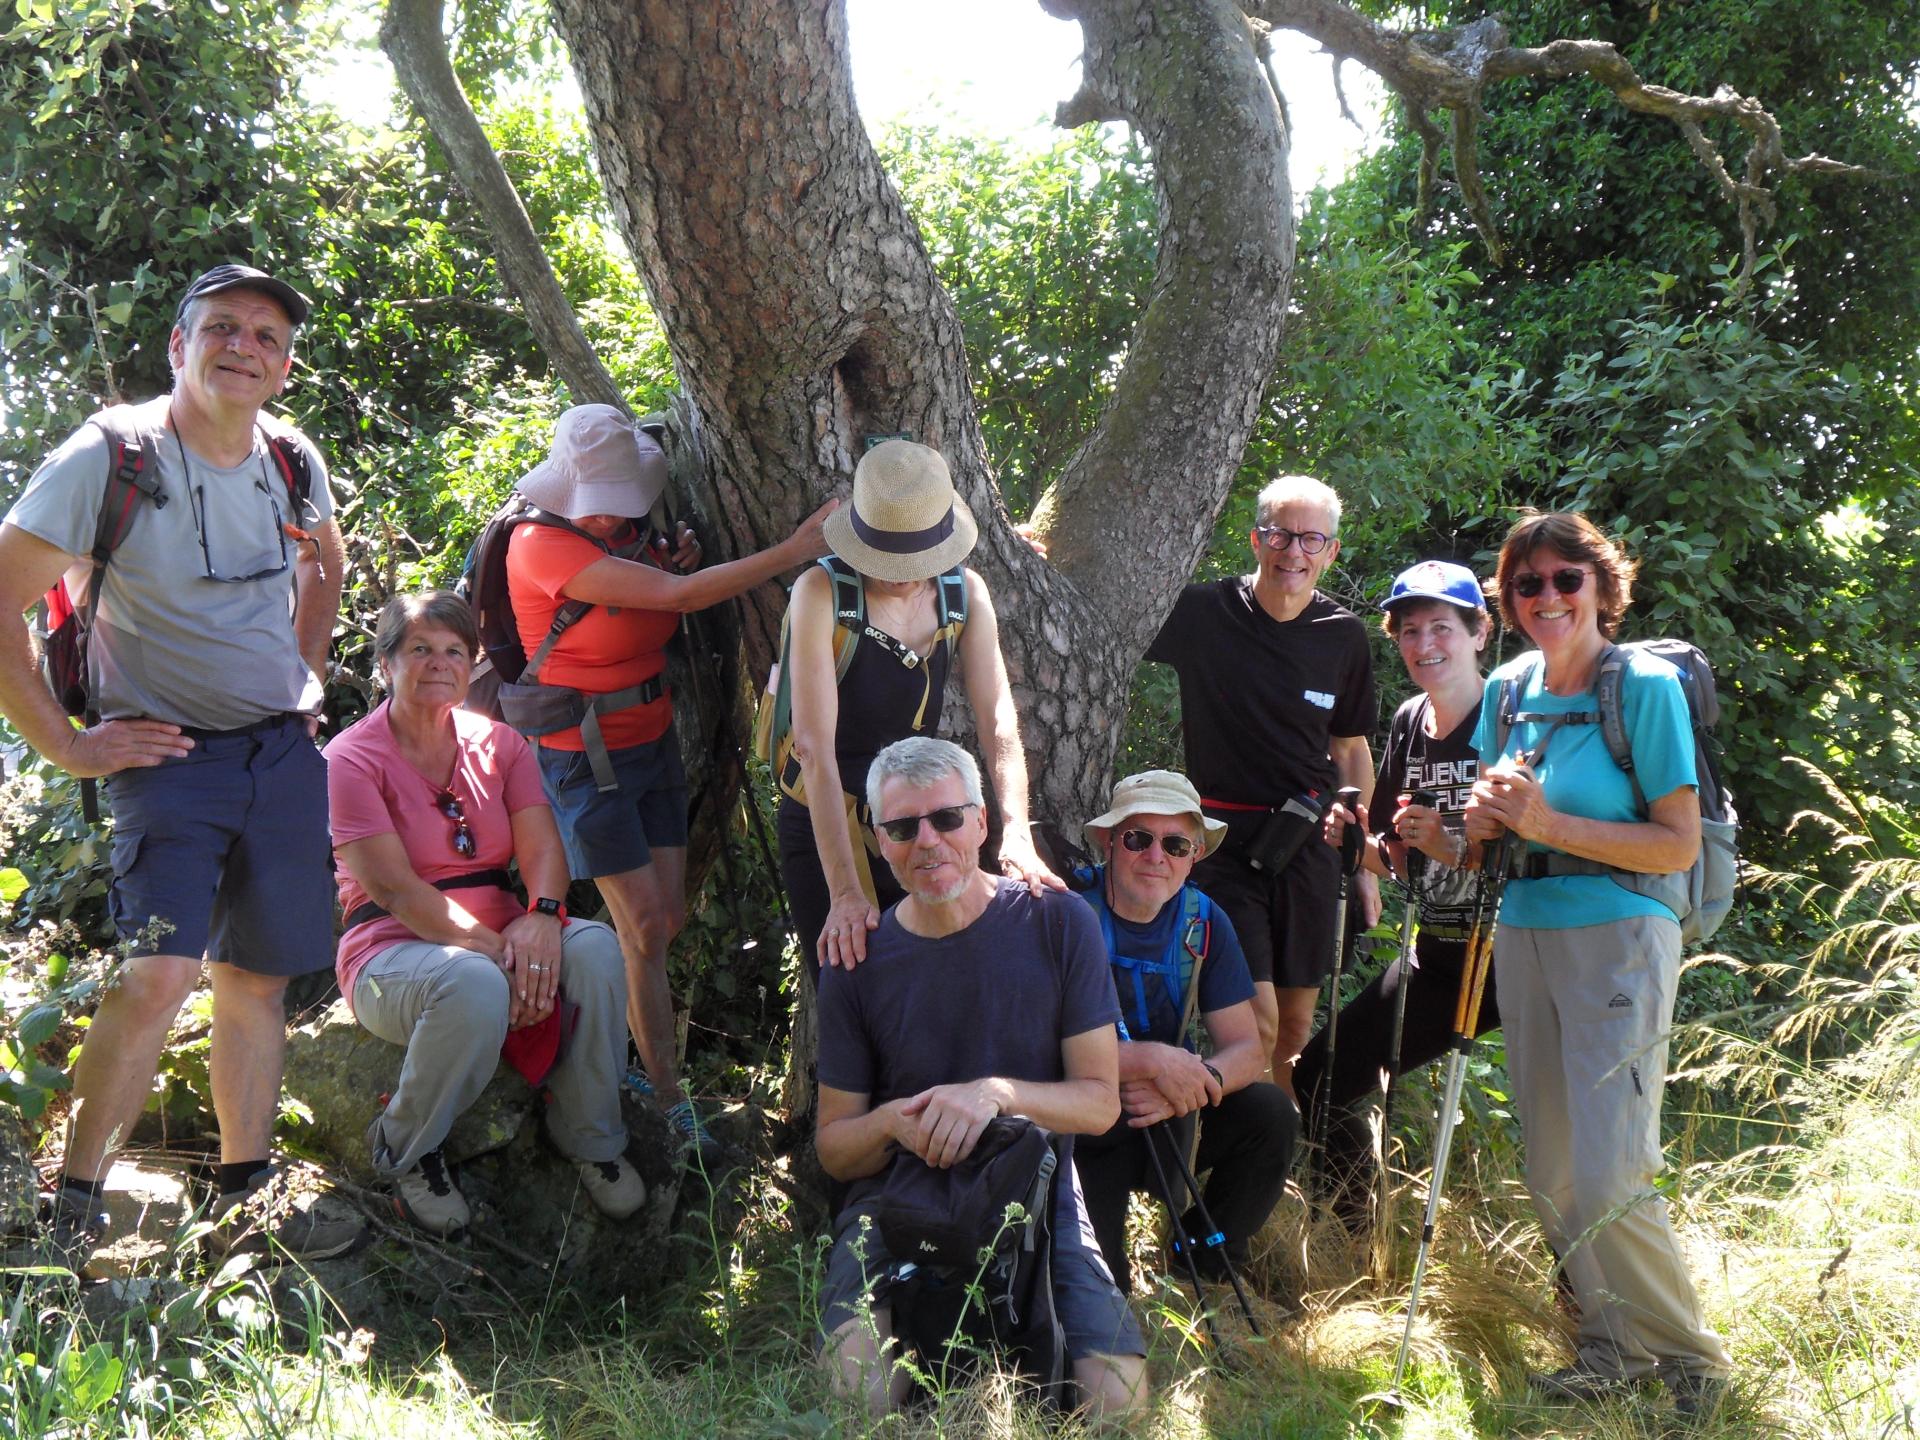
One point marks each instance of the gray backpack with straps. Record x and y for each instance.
(1702, 895)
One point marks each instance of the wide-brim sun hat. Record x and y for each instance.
(601, 464)
(1153, 792)
(906, 521)
(1436, 580)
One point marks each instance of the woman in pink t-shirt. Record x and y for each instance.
(430, 804)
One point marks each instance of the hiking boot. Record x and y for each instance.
(614, 1186)
(693, 1131)
(1696, 1397)
(1577, 1383)
(426, 1196)
(263, 1220)
(72, 1227)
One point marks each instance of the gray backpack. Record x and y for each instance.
(1700, 896)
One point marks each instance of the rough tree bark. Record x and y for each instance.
(804, 315)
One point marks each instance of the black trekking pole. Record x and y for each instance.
(1466, 1020)
(1182, 1242)
(1352, 846)
(1216, 1238)
(1416, 868)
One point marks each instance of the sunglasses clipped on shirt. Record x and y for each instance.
(1565, 582)
(448, 804)
(1174, 847)
(946, 820)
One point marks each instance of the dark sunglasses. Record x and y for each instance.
(448, 804)
(1565, 582)
(1278, 537)
(947, 819)
(1175, 847)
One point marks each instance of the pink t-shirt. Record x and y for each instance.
(373, 790)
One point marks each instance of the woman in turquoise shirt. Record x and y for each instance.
(1587, 967)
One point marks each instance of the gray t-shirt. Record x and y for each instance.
(995, 999)
(169, 643)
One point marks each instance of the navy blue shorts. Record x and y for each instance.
(228, 846)
(1092, 1311)
(613, 833)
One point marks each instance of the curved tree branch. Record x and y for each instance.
(413, 37)
(1451, 69)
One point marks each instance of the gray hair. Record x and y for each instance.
(441, 609)
(923, 762)
(1301, 489)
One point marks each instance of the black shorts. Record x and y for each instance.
(1284, 921)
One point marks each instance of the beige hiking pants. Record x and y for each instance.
(1587, 1011)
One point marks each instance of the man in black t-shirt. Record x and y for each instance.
(977, 998)
(1276, 701)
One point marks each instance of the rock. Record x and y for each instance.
(341, 1072)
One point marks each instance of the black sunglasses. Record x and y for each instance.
(1565, 582)
(1175, 846)
(448, 804)
(947, 819)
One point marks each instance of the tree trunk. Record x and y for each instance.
(804, 315)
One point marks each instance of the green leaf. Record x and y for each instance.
(38, 1025)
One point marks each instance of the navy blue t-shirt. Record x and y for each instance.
(997, 998)
(1224, 978)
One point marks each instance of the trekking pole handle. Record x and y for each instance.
(1352, 842)
(1417, 859)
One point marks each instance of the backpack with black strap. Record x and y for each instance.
(1186, 949)
(65, 631)
(972, 1256)
(773, 721)
(1701, 895)
(506, 682)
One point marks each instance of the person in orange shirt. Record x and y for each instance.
(614, 778)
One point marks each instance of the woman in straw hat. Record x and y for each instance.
(621, 803)
(897, 553)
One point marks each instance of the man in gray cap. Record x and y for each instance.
(195, 535)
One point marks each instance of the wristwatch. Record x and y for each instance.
(544, 906)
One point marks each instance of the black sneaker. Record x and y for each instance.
(1696, 1397)
(263, 1220)
(1579, 1384)
(72, 1227)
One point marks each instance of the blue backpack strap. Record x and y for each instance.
(1192, 934)
(849, 611)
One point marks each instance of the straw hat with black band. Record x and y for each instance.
(905, 522)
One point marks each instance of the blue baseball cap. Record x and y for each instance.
(1436, 580)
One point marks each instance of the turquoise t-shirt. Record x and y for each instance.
(1580, 778)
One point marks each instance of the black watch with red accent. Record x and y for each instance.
(545, 906)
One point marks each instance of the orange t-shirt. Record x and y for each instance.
(608, 649)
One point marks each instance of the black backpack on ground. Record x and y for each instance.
(971, 1274)
(133, 480)
(506, 681)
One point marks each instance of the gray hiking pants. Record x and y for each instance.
(1587, 1011)
(448, 1007)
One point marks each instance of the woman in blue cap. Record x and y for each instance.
(1437, 614)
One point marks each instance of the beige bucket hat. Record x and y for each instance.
(1153, 792)
(601, 464)
(906, 522)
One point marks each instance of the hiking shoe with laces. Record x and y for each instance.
(263, 1220)
(693, 1131)
(1696, 1397)
(614, 1186)
(72, 1227)
(1578, 1383)
(426, 1196)
(638, 1081)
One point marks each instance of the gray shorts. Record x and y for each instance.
(1092, 1311)
(227, 845)
(614, 832)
